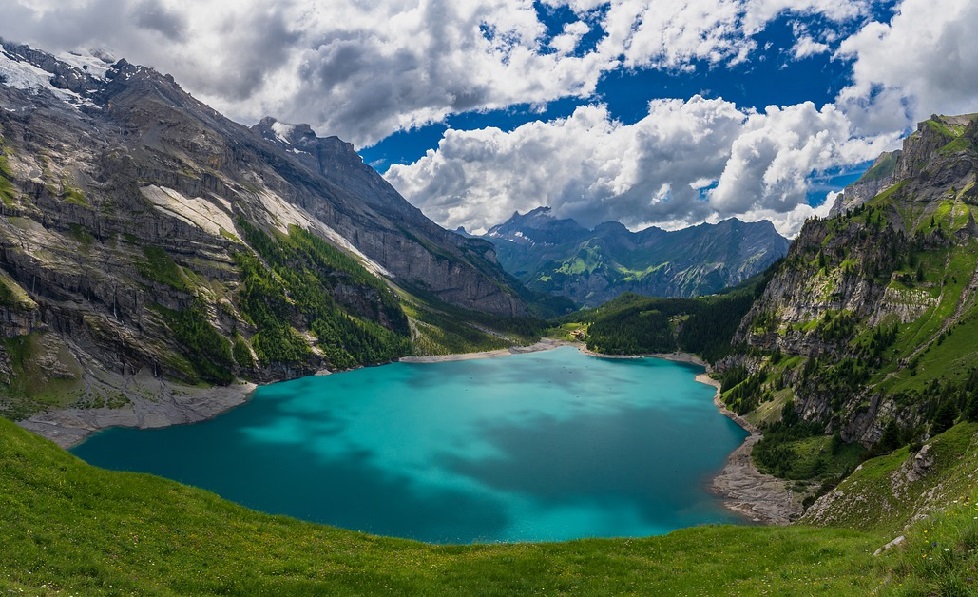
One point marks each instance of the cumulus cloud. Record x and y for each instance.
(776, 152)
(686, 162)
(807, 46)
(674, 34)
(363, 70)
(924, 61)
(757, 13)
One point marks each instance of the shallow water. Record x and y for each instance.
(536, 447)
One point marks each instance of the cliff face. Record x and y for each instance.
(594, 266)
(411, 247)
(879, 300)
(143, 234)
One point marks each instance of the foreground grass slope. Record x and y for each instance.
(74, 528)
(68, 526)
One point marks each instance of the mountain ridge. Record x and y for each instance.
(864, 329)
(592, 266)
(146, 240)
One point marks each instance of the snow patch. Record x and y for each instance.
(199, 212)
(23, 75)
(93, 62)
(283, 131)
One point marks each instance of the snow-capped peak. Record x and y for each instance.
(283, 131)
(93, 62)
(18, 72)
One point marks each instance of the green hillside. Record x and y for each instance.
(71, 528)
(633, 324)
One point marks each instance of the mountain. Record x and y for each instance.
(862, 342)
(859, 343)
(562, 257)
(146, 239)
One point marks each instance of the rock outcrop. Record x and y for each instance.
(145, 236)
(865, 295)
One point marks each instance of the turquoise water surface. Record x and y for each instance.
(536, 447)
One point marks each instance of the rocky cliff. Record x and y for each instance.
(145, 236)
(875, 308)
(591, 267)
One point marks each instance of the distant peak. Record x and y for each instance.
(289, 134)
(610, 226)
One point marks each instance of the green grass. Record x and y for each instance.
(6, 176)
(12, 295)
(875, 499)
(940, 556)
(946, 358)
(75, 196)
(74, 528)
(32, 386)
(160, 267)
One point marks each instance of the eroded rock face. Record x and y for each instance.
(400, 238)
(866, 270)
(123, 198)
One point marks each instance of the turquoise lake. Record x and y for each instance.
(544, 446)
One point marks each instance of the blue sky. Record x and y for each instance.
(658, 112)
(771, 77)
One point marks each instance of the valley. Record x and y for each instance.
(159, 262)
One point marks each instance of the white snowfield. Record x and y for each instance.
(22, 75)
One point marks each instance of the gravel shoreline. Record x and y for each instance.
(759, 496)
(153, 403)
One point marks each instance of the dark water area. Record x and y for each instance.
(545, 446)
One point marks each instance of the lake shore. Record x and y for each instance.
(152, 403)
(540, 346)
(155, 403)
(759, 496)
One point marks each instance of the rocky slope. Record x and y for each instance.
(144, 234)
(595, 266)
(867, 327)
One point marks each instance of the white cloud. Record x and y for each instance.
(362, 70)
(773, 158)
(757, 13)
(566, 42)
(591, 168)
(674, 34)
(924, 61)
(807, 46)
